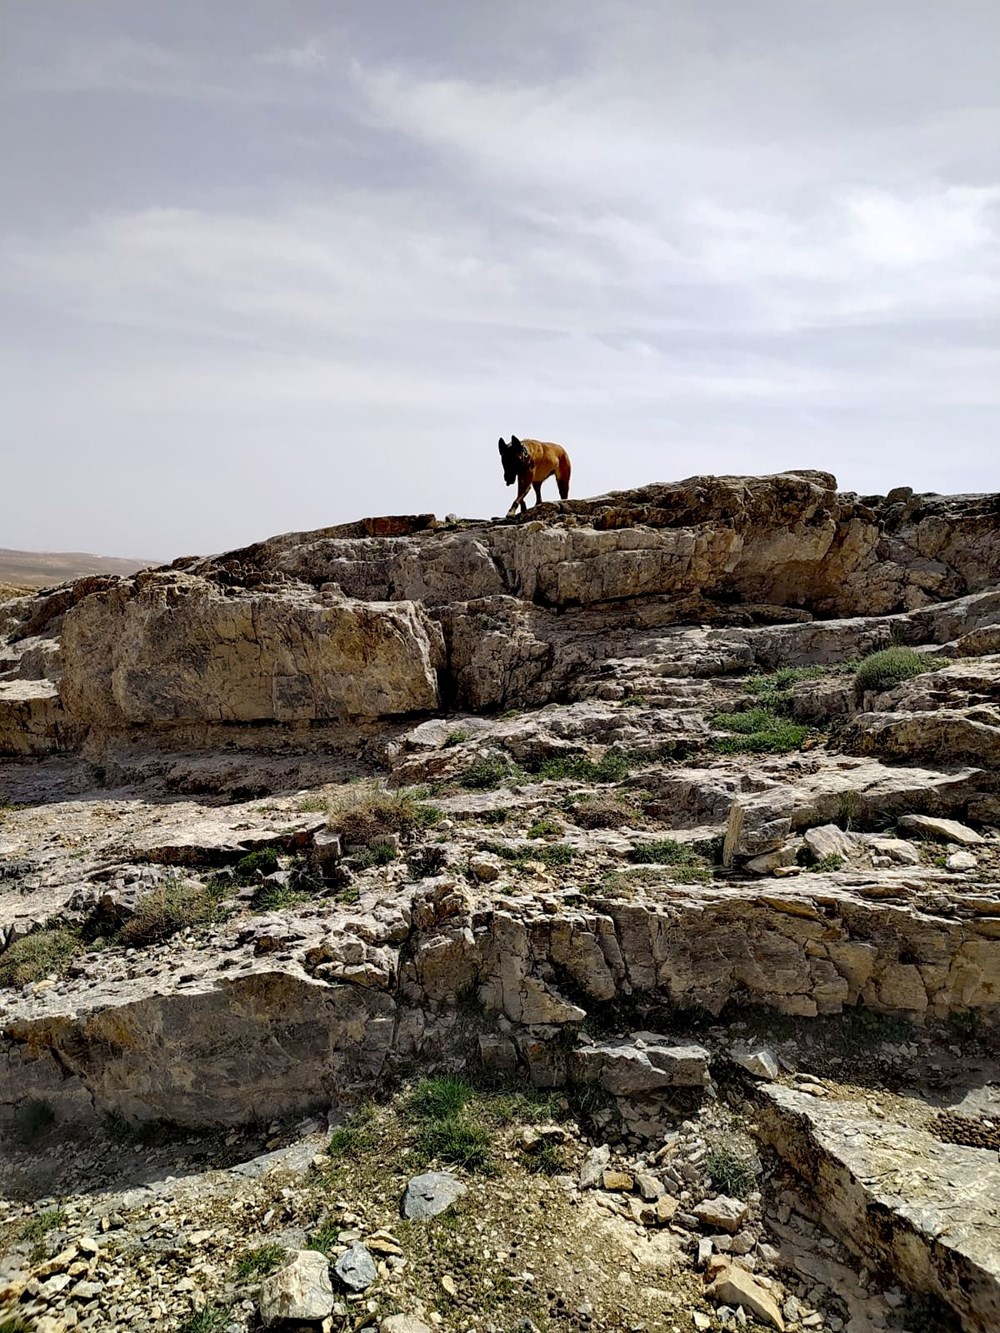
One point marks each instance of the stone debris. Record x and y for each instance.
(758, 1060)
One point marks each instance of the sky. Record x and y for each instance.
(273, 266)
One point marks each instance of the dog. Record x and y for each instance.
(529, 463)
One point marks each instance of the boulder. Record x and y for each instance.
(356, 1268)
(301, 1290)
(431, 1194)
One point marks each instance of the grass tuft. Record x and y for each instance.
(260, 1261)
(883, 670)
(757, 731)
(39, 955)
(730, 1172)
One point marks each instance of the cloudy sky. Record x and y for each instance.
(269, 266)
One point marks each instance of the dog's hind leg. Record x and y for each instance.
(538, 492)
(562, 478)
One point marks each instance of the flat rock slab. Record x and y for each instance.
(940, 830)
(640, 1064)
(431, 1194)
(891, 1192)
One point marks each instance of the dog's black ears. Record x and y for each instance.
(501, 446)
(515, 442)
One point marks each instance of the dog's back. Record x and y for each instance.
(548, 459)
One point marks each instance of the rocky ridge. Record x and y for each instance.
(623, 783)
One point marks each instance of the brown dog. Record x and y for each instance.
(529, 463)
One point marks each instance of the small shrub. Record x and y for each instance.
(164, 912)
(260, 1261)
(613, 766)
(455, 737)
(379, 855)
(325, 1238)
(498, 816)
(492, 770)
(38, 1227)
(37, 956)
(829, 863)
(548, 1160)
(250, 868)
(426, 816)
(604, 812)
(364, 810)
(546, 827)
(634, 701)
(33, 1119)
(275, 897)
(757, 731)
(730, 1172)
(881, 671)
(555, 854)
(15, 1324)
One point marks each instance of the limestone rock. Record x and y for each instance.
(941, 830)
(829, 840)
(639, 1065)
(356, 1268)
(431, 1194)
(593, 1166)
(301, 1290)
(722, 1213)
(735, 1286)
(961, 862)
(898, 1196)
(404, 1323)
(758, 1060)
(173, 649)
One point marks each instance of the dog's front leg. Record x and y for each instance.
(523, 487)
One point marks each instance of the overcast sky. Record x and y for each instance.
(269, 266)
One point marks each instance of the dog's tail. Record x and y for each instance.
(562, 476)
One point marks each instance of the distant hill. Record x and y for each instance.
(38, 569)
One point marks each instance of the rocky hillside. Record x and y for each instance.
(626, 874)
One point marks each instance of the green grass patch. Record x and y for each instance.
(828, 863)
(382, 854)
(546, 827)
(38, 1227)
(757, 731)
(324, 1238)
(209, 1319)
(260, 1261)
(458, 1141)
(491, 771)
(686, 865)
(249, 868)
(730, 1172)
(313, 805)
(883, 670)
(455, 737)
(548, 1160)
(44, 953)
(357, 1134)
(613, 766)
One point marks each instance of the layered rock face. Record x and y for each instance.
(395, 617)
